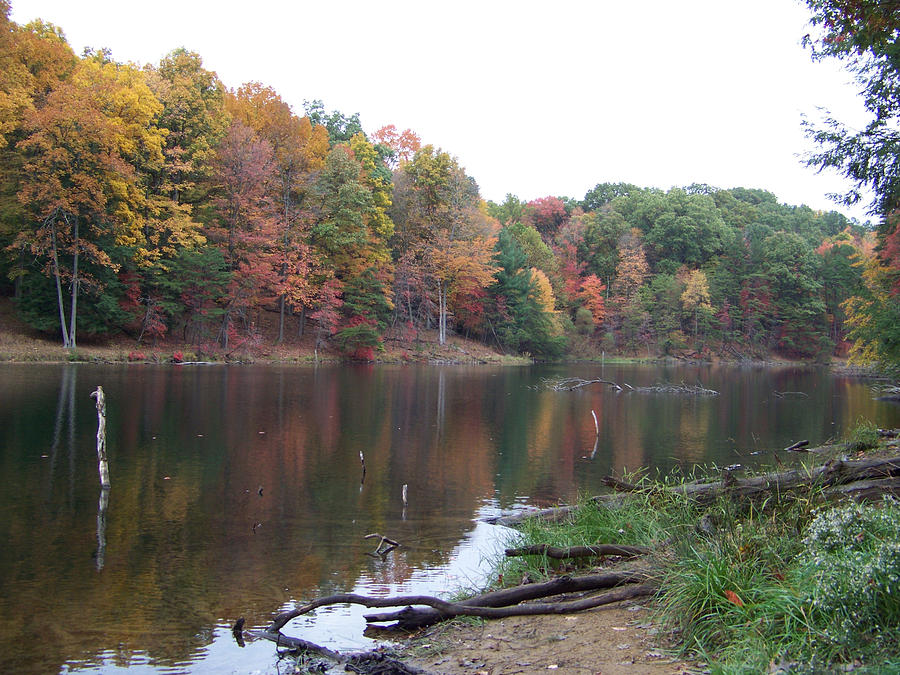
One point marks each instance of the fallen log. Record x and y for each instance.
(866, 490)
(411, 618)
(619, 485)
(560, 553)
(448, 610)
(833, 473)
(552, 514)
(797, 447)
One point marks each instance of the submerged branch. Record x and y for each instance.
(571, 383)
(359, 662)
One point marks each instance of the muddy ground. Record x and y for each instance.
(610, 640)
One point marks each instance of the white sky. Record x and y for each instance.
(533, 98)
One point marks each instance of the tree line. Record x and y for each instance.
(156, 201)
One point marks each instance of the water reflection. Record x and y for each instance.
(241, 490)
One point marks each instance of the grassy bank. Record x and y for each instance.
(794, 582)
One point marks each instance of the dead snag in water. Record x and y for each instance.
(373, 662)
(101, 436)
(681, 389)
(389, 545)
(790, 394)
(570, 383)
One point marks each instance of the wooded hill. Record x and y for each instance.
(157, 202)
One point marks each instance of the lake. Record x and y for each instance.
(239, 490)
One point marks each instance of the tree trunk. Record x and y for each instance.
(442, 313)
(74, 308)
(281, 304)
(59, 298)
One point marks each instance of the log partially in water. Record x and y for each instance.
(410, 618)
(836, 472)
(560, 553)
(374, 662)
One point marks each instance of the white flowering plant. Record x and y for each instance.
(851, 561)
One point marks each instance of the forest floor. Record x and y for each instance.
(20, 343)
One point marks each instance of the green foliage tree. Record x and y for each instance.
(341, 128)
(520, 321)
(864, 35)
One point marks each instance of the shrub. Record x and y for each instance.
(852, 559)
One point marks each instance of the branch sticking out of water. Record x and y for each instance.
(388, 544)
(571, 383)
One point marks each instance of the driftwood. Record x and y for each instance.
(552, 514)
(496, 604)
(797, 447)
(681, 389)
(619, 485)
(388, 544)
(373, 662)
(866, 490)
(790, 394)
(571, 383)
(446, 609)
(594, 551)
(410, 618)
(832, 473)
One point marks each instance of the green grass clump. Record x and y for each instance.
(863, 436)
(631, 522)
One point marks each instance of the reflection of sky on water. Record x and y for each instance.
(341, 627)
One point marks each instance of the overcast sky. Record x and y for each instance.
(533, 98)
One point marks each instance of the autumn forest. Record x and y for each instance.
(156, 202)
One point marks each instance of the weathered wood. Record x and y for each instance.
(411, 619)
(452, 609)
(570, 383)
(552, 514)
(797, 447)
(358, 662)
(619, 485)
(101, 436)
(866, 490)
(834, 472)
(564, 553)
(295, 644)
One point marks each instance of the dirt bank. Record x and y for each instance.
(613, 641)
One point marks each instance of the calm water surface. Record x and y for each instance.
(237, 491)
